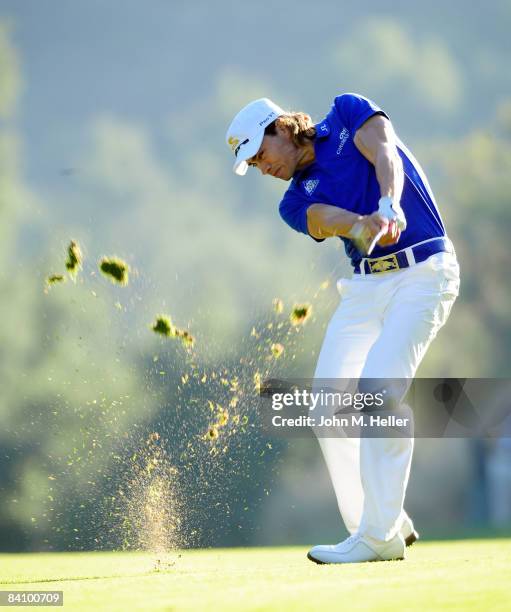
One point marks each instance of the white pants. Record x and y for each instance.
(381, 329)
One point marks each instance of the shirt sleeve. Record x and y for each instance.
(355, 110)
(293, 211)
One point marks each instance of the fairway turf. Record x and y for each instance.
(463, 575)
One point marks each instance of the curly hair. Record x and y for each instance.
(299, 125)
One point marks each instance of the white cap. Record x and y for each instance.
(246, 132)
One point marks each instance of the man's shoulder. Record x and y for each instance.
(348, 97)
(354, 109)
(351, 97)
(340, 110)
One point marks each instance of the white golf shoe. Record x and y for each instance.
(359, 549)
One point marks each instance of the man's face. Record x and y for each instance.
(278, 156)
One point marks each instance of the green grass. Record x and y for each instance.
(461, 575)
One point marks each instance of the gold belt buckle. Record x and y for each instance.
(383, 264)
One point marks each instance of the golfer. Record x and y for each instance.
(354, 180)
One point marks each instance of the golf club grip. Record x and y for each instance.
(373, 242)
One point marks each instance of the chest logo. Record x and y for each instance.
(310, 185)
(343, 137)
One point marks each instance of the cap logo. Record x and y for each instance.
(266, 119)
(234, 142)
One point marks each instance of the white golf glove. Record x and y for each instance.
(392, 211)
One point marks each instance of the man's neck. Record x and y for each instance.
(307, 155)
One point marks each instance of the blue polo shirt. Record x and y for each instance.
(341, 176)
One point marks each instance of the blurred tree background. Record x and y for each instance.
(112, 123)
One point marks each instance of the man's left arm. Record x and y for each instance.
(376, 141)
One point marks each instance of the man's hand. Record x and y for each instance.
(392, 236)
(374, 229)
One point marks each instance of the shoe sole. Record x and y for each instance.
(413, 537)
(311, 558)
(318, 562)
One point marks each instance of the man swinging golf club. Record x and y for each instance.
(352, 178)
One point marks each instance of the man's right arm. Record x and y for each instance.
(324, 221)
